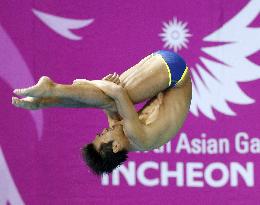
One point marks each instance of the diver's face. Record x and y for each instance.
(104, 137)
(114, 134)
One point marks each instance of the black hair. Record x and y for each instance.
(104, 160)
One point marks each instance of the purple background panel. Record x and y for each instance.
(42, 148)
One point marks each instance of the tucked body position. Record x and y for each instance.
(162, 78)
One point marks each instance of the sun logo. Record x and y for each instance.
(175, 34)
(222, 63)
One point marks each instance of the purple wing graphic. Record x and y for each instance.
(8, 189)
(16, 73)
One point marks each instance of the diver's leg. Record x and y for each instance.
(129, 73)
(146, 80)
(33, 103)
(84, 93)
(143, 81)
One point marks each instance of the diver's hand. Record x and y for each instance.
(81, 81)
(109, 88)
(112, 78)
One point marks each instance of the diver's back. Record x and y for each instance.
(172, 113)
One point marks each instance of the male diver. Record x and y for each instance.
(161, 77)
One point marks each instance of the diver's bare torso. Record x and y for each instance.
(164, 115)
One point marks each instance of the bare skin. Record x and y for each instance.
(153, 126)
(147, 70)
(157, 122)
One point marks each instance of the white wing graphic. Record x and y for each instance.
(8, 191)
(215, 83)
(62, 25)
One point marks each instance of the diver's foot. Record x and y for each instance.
(41, 89)
(29, 103)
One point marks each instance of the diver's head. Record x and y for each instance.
(107, 151)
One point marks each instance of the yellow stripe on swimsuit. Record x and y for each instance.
(175, 65)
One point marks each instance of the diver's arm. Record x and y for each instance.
(132, 125)
(112, 117)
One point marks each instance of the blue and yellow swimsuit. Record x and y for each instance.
(175, 64)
